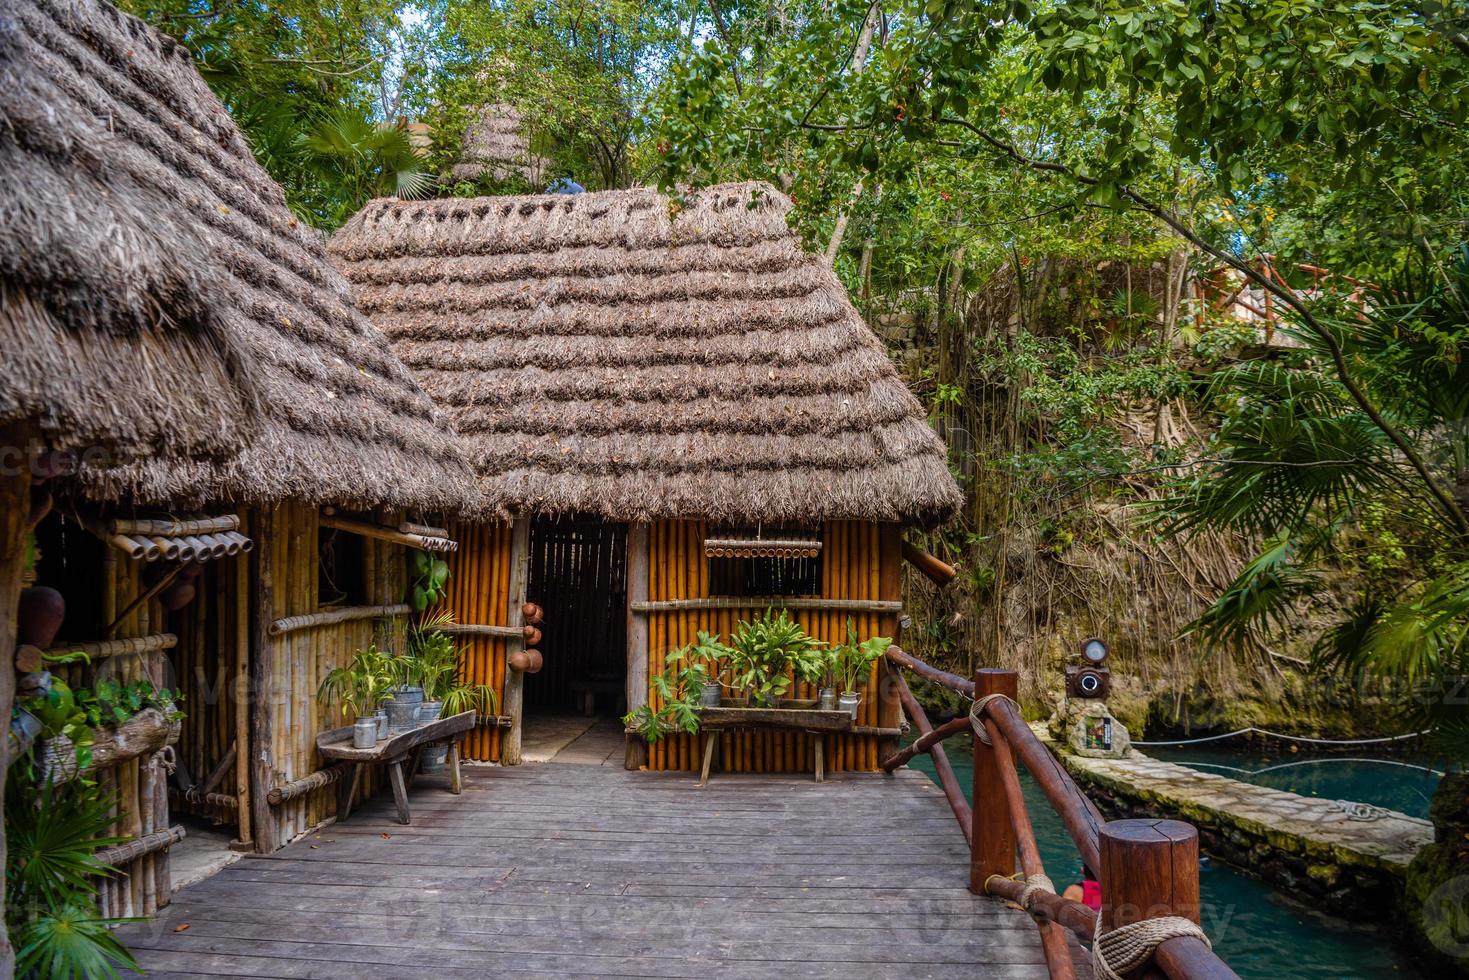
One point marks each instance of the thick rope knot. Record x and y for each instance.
(1033, 884)
(166, 758)
(1128, 947)
(976, 714)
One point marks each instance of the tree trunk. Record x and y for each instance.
(15, 489)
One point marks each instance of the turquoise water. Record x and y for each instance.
(1403, 782)
(1258, 932)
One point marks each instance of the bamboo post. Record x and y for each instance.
(260, 741)
(993, 850)
(514, 679)
(1150, 868)
(242, 702)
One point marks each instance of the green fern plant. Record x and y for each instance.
(53, 832)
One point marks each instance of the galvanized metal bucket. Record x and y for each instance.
(849, 702)
(364, 733)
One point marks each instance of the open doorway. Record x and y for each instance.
(578, 575)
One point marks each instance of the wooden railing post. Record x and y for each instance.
(1150, 868)
(992, 851)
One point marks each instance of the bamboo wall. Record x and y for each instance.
(296, 662)
(143, 885)
(479, 593)
(854, 556)
(211, 667)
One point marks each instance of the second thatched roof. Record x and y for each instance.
(157, 294)
(623, 354)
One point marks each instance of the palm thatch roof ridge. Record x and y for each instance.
(641, 357)
(139, 216)
(495, 143)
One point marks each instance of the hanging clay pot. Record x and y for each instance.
(191, 569)
(39, 617)
(177, 596)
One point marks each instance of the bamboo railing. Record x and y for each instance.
(1148, 869)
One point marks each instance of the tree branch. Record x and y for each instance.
(1456, 516)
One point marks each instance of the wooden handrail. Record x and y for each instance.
(1182, 958)
(942, 678)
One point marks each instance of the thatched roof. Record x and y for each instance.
(495, 143)
(598, 355)
(157, 293)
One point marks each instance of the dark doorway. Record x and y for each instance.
(578, 575)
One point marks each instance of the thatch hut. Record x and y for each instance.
(653, 389)
(163, 313)
(496, 146)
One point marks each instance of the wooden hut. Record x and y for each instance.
(653, 389)
(244, 443)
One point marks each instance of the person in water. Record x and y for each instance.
(1088, 891)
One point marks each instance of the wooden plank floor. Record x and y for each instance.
(557, 869)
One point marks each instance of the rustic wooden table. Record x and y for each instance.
(394, 751)
(811, 720)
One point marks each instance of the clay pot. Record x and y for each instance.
(526, 661)
(532, 636)
(532, 612)
(39, 617)
(191, 569)
(177, 596)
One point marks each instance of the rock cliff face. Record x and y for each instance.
(1436, 903)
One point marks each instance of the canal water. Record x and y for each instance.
(1403, 782)
(1261, 934)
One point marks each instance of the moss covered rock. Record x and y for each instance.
(1436, 904)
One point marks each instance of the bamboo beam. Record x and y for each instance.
(423, 530)
(327, 617)
(761, 602)
(102, 649)
(316, 780)
(176, 529)
(422, 542)
(119, 854)
(477, 629)
(242, 700)
(941, 573)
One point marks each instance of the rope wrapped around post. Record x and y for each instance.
(1125, 948)
(976, 714)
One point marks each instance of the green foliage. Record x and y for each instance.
(765, 650)
(432, 662)
(52, 832)
(429, 578)
(853, 660)
(686, 672)
(367, 679)
(111, 702)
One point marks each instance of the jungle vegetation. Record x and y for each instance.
(1026, 200)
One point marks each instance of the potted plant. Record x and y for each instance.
(708, 653)
(680, 687)
(770, 650)
(431, 664)
(359, 687)
(854, 662)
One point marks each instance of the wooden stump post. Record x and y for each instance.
(636, 752)
(258, 754)
(514, 679)
(993, 849)
(15, 491)
(1150, 868)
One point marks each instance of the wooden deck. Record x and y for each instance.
(557, 869)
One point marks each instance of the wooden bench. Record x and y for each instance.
(813, 721)
(394, 751)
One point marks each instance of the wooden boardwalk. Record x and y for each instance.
(556, 869)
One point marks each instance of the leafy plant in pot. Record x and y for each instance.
(359, 687)
(768, 652)
(854, 660)
(680, 686)
(436, 670)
